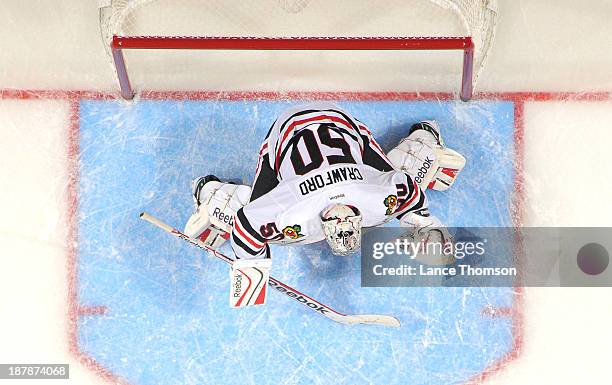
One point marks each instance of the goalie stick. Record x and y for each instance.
(368, 319)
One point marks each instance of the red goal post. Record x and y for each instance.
(119, 43)
(266, 26)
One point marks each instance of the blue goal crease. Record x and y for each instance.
(169, 321)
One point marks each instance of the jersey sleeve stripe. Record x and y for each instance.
(245, 236)
(264, 146)
(289, 121)
(420, 204)
(237, 242)
(416, 192)
(242, 250)
(410, 184)
(246, 226)
(348, 118)
(419, 207)
(261, 159)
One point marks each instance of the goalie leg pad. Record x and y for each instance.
(249, 282)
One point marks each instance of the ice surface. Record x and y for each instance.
(168, 320)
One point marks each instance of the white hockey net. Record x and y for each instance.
(298, 18)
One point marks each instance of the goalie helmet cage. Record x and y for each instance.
(270, 25)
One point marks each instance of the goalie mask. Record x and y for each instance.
(342, 228)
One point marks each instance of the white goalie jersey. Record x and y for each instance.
(313, 157)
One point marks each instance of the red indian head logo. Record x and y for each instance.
(391, 203)
(293, 232)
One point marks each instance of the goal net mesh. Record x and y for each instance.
(301, 18)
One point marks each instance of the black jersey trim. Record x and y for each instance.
(306, 112)
(374, 159)
(243, 246)
(266, 179)
(349, 118)
(284, 125)
(246, 226)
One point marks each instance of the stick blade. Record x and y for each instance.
(371, 319)
(365, 319)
